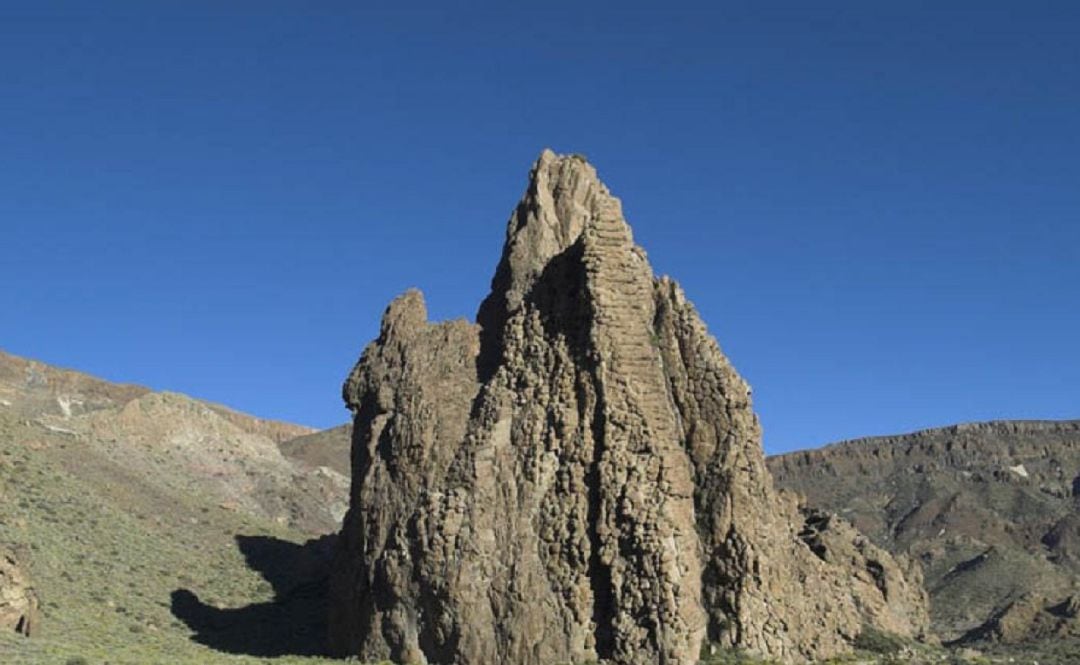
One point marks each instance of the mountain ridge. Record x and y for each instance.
(19, 376)
(1017, 425)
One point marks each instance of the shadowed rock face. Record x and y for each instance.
(18, 601)
(578, 476)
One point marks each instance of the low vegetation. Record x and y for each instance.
(109, 555)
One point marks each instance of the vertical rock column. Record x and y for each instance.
(646, 520)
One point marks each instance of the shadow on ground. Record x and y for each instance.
(293, 623)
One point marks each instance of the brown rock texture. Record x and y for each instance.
(1030, 617)
(18, 601)
(578, 476)
(887, 590)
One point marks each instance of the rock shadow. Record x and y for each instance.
(292, 623)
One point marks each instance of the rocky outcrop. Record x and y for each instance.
(578, 476)
(1031, 617)
(888, 591)
(18, 600)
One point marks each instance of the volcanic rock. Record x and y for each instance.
(579, 475)
(18, 600)
(888, 590)
(1029, 618)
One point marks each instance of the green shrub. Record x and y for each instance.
(879, 642)
(712, 654)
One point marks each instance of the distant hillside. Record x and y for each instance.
(990, 509)
(159, 528)
(35, 389)
(328, 448)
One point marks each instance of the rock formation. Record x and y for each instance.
(888, 591)
(578, 476)
(1030, 617)
(18, 601)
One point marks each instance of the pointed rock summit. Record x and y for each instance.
(579, 475)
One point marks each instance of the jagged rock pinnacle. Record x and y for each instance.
(578, 476)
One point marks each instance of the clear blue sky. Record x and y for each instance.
(875, 206)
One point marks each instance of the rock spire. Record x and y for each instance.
(579, 475)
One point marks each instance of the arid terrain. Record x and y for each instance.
(157, 528)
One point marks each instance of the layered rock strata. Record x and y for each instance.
(576, 477)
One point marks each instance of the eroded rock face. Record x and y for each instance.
(888, 591)
(576, 477)
(1030, 617)
(18, 601)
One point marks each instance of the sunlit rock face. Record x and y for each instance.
(578, 476)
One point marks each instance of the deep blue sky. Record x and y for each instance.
(874, 205)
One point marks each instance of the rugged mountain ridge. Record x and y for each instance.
(989, 509)
(35, 390)
(579, 475)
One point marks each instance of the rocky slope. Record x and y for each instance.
(989, 509)
(327, 448)
(579, 475)
(186, 444)
(156, 528)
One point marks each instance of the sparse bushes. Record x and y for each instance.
(712, 654)
(879, 642)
